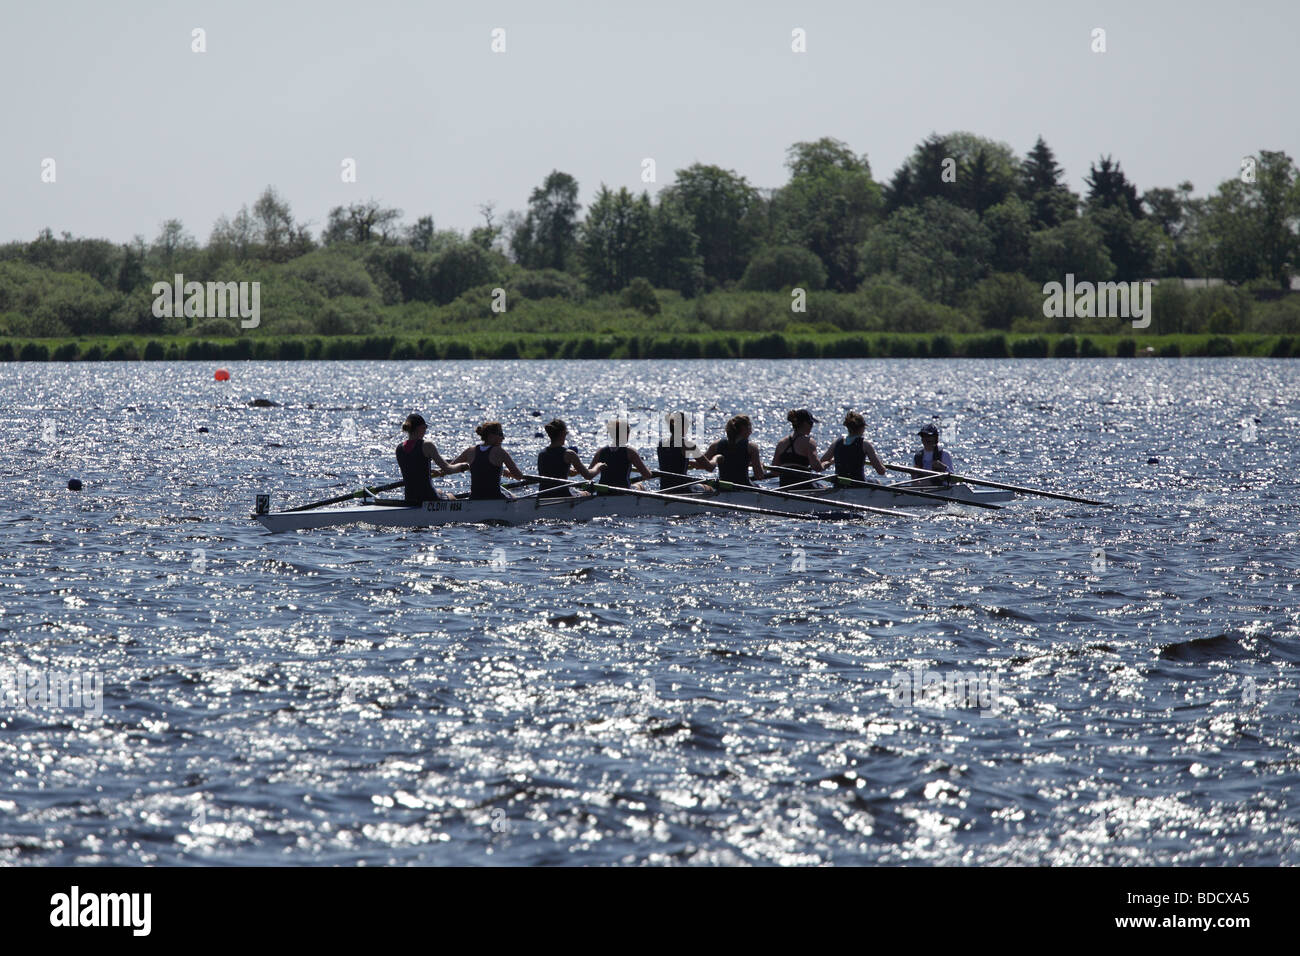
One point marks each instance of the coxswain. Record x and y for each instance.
(674, 452)
(413, 458)
(619, 458)
(852, 452)
(485, 461)
(931, 457)
(557, 462)
(797, 451)
(735, 455)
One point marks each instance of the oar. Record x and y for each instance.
(996, 484)
(704, 502)
(837, 505)
(348, 497)
(854, 483)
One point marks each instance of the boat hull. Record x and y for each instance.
(568, 509)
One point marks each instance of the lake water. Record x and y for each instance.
(1052, 683)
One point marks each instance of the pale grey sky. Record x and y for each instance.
(142, 129)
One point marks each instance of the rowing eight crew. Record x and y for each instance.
(734, 457)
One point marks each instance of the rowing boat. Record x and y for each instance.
(533, 508)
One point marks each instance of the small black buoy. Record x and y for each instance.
(536, 414)
(263, 403)
(1153, 461)
(74, 484)
(203, 428)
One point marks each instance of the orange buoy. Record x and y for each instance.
(222, 375)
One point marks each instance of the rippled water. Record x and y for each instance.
(702, 690)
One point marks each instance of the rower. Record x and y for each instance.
(672, 450)
(851, 453)
(413, 457)
(734, 456)
(485, 461)
(931, 457)
(556, 463)
(619, 458)
(797, 451)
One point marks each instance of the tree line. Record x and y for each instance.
(963, 224)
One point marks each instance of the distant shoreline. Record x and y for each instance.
(718, 345)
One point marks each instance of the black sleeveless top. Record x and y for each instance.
(617, 464)
(551, 464)
(672, 458)
(792, 459)
(415, 472)
(734, 466)
(484, 477)
(936, 460)
(850, 458)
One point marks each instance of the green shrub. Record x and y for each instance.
(95, 353)
(773, 345)
(123, 352)
(1223, 321)
(775, 268)
(457, 350)
(332, 273)
(545, 284)
(6, 352)
(1067, 346)
(1088, 349)
(847, 346)
(292, 350)
(640, 295)
(1171, 350)
(202, 350)
(375, 347)
(1036, 347)
(66, 353)
(154, 351)
(405, 350)
(987, 346)
(1126, 348)
(34, 352)
(1218, 346)
(238, 349)
(1282, 348)
(941, 347)
(506, 350)
(1004, 297)
(338, 349)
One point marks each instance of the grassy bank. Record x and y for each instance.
(721, 345)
